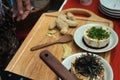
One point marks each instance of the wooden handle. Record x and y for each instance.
(42, 46)
(85, 12)
(56, 66)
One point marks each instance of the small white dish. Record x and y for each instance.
(108, 73)
(109, 11)
(108, 14)
(111, 4)
(78, 38)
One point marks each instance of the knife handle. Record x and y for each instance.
(56, 66)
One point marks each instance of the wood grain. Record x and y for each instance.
(56, 66)
(64, 39)
(27, 63)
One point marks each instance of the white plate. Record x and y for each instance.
(111, 4)
(78, 36)
(112, 11)
(108, 70)
(108, 13)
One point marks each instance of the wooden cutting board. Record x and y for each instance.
(27, 63)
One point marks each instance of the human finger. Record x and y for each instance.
(19, 6)
(25, 14)
(27, 9)
(27, 5)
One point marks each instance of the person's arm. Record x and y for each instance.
(21, 9)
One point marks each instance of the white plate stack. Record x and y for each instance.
(110, 8)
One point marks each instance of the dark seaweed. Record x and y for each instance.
(88, 65)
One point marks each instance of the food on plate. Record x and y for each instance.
(63, 22)
(71, 16)
(51, 33)
(67, 51)
(87, 67)
(96, 37)
(63, 26)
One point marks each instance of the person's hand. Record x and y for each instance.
(21, 9)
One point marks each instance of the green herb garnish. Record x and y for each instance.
(98, 33)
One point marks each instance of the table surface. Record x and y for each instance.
(115, 56)
(114, 60)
